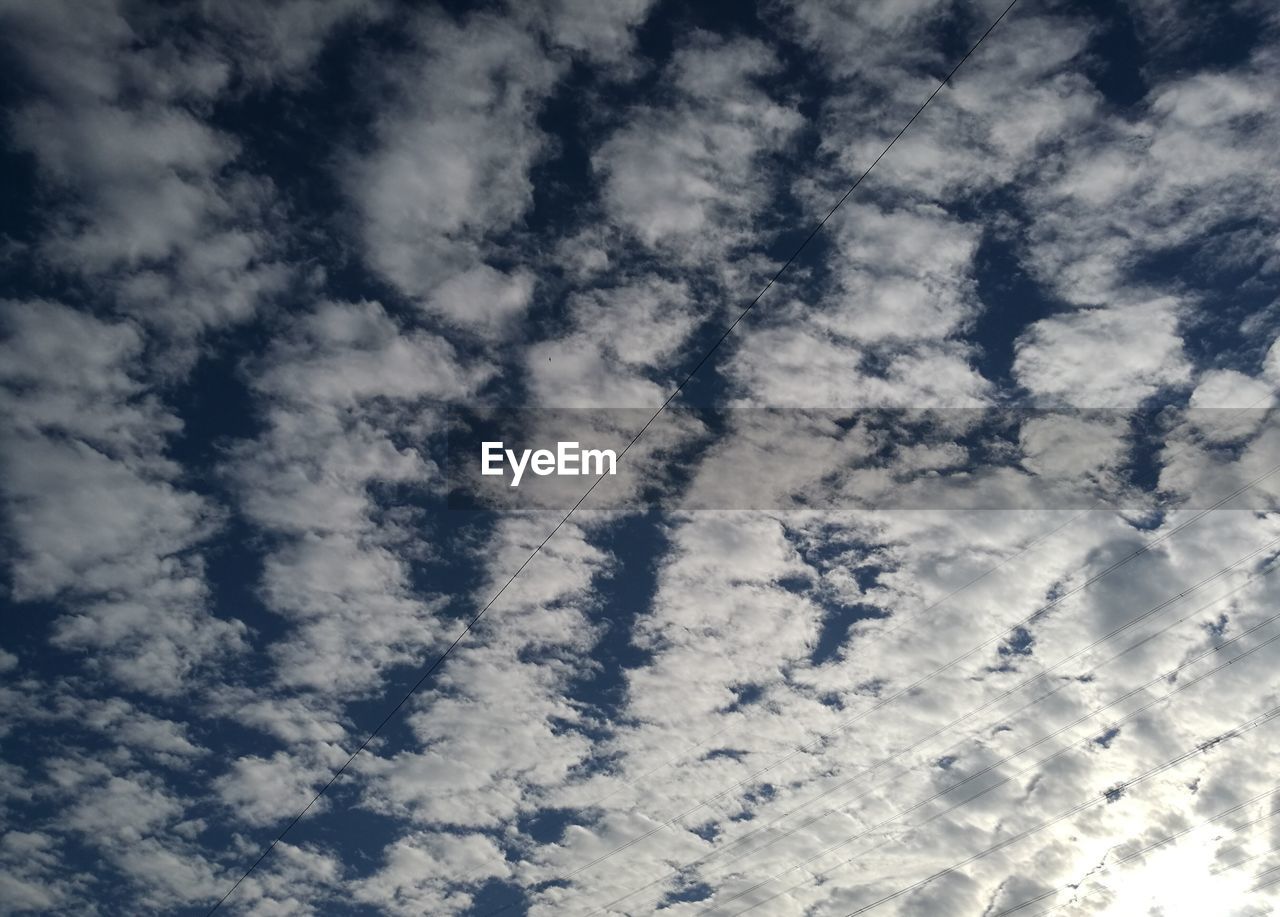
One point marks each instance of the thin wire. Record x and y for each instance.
(676, 392)
(1137, 854)
(876, 638)
(1266, 872)
(1020, 751)
(1039, 676)
(1106, 795)
(1258, 888)
(911, 688)
(1133, 714)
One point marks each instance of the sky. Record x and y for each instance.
(942, 588)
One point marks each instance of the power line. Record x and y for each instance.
(870, 769)
(1154, 845)
(910, 688)
(876, 638)
(1133, 714)
(1259, 887)
(471, 623)
(1105, 796)
(1025, 748)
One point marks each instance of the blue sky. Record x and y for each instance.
(958, 483)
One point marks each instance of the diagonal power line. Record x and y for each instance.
(859, 777)
(1075, 745)
(471, 623)
(1156, 845)
(1264, 719)
(818, 741)
(881, 635)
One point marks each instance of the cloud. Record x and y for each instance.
(102, 524)
(1021, 91)
(794, 367)
(152, 203)
(621, 338)
(30, 872)
(1110, 357)
(446, 169)
(901, 274)
(685, 176)
(265, 791)
(281, 42)
(227, 405)
(1125, 190)
(406, 885)
(339, 386)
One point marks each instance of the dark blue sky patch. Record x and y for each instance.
(836, 625)
(563, 181)
(1019, 643)
(359, 835)
(744, 696)
(636, 544)
(292, 133)
(18, 232)
(1106, 738)
(1224, 35)
(760, 792)
(547, 826)
(797, 583)
(1218, 627)
(686, 894)
(501, 897)
(734, 754)
(708, 831)
(1115, 55)
(1228, 268)
(831, 699)
(1012, 300)
(215, 404)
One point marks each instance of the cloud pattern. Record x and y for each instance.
(256, 252)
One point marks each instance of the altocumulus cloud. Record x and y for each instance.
(255, 254)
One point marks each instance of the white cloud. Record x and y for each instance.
(686, 177)
(902, 274)
(448, 165)
(1227, 388)
(29, 867)
(408, 883)
(153, 206)
(1124, 189)
(796, 367)
(1017, 93)
(621, 338)
(744, 672)
(1104, 357)
(269, 791)
(91, 497)
(341, 382)
(602, 31)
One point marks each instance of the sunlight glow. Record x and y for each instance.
(1179, 882)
